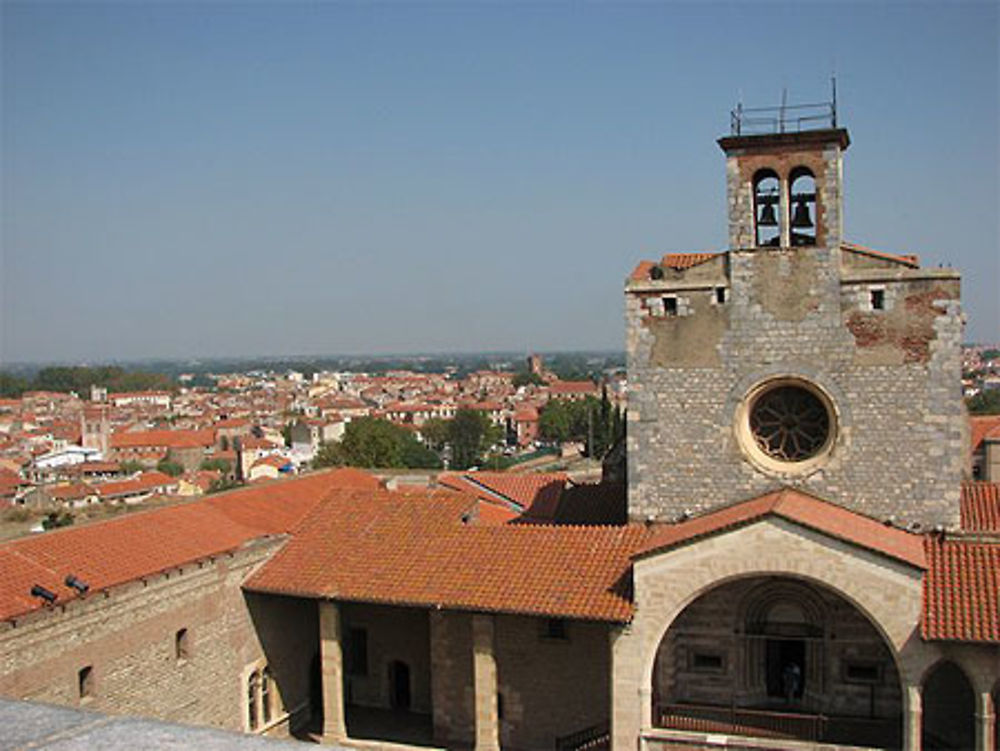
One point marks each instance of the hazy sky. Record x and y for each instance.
(194, 179)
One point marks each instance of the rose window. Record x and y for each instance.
(790, 423)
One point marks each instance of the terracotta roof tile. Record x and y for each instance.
(412, 548)
(167, 438)
(537, 494)
(981, 507)
(907, 260)
(682, 261)
(129, 547)
(979, 427)
(961, 591)
(800, 508)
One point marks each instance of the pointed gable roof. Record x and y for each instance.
(802, 509)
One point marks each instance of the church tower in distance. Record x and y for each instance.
(794, 358)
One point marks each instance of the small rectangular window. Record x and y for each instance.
(720, 295)
(181, 645)
(878, 299)
(85, 681)
(708, 662)
(862, 672)
(357, 651)
(670, 306)
(555, 628)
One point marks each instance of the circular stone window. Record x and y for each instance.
(786, 426)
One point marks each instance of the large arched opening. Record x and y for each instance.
(779, 657)
(949, 709)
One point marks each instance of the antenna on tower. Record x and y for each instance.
(784, 99)
(833, 100)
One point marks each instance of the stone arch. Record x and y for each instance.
(803, 206)
(664, 624)
(949, 707)
(768, 213)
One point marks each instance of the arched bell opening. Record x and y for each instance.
(802, 196)
(778, 657)
(949, 709)
(767, 208)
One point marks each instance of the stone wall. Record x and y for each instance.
(127, 635)
(393, 635)
(548, 687)
(892, 377)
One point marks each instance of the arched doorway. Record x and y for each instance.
(949, 708)
(775, 656)
(399, 685)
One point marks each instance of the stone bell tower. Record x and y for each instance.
(793, 358)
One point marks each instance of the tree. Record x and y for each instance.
(11, 386)
(470, 433)
(168, 467)
(555, 421)
(222, 483)
(985, 402)
(525, 378)
(55, 519)
(222, 465)
(329, 455)
(131, 466)
(435, 433)
(374, 443)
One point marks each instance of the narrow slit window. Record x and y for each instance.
(181, 644)
(720, 295)
(253, 688)
(266, 692)
(85, 681)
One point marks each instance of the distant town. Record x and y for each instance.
(79, 442)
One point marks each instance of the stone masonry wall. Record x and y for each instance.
(128, 635)
(393, 634)
(548, 687)
(896, 394)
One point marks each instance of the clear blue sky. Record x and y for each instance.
(192, 179)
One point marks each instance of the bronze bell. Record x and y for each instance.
(801, 216)
(767, 217)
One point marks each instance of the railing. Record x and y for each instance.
(738, 721)
(588, 739)
(786, 118)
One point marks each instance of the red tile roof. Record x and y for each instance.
(682, 261)
(802, 509)
(907, 260)
(167, 438)
(980, 426)
(537, 494)
(981, 507)
(129, 547)
(676, 261)
(412, 548)
(146, 482)
(961, 591)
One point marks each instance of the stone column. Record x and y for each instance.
(985, 722)
(785, 211)
(646, 718)
(332, 664)
(484, 678)
(912, 718)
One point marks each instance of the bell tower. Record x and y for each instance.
(785, 190)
